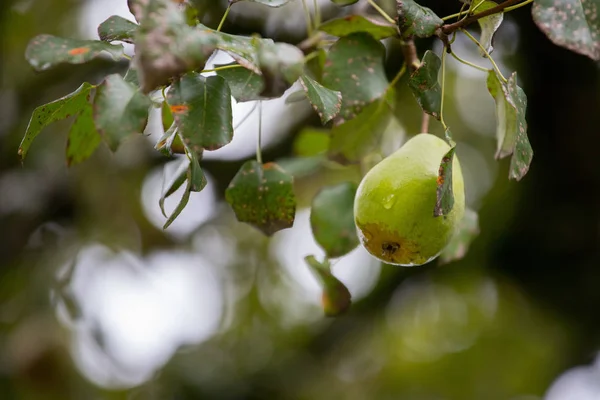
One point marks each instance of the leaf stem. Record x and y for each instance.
(224, 17)
(470, 64)
(398, 75)
(486, 54)
(318, 13)
(507, 9)
(309, 26)
(221, 68)
(448, 29)
(381, 12)
(258, 144)
(443, 89)
(310, 56)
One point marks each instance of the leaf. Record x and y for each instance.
(182, 203)
(202, 110)
(131, 76)
(332, 219)
(357, 23)
(444, 193)
(117, 28)
(354, 67)
(180, 177)
(344, 2)
(354, 139)
(71, 104)
(281, 64)
(197, 177)
(83, 137)
(47, 51)
(245, 84)
(262, 196)
(120, 110)
(489, 25)
(311, 142)
(425, 86)
(511, 126)
(336, 298)
(416, 20)
(467, 231)
(165, 143)
(326, 102)
(573, 24)
(165, 45)
(270, 3)
(296, 97)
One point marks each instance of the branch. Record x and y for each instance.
(410, 54)
(448, 29)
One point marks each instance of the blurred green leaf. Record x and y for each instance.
(270, 3)
(117, 28)
(425, 86)
(344, 2)
(511, 126)
(357, 23)
(296, 97)
(47, 51)
(311, 142)
(281, 64)
(327, 103)
(300, 167)
(489, 25)
(416, 20)
(354, 67)
(573, 24)
(245, 84)
(180, 177)
(165, 45)
(445, 195)
(120, 110)
(83, 137)
(166, 116)
(262, 196)
(165, 143)
(354, 139)
(182, 203)
(131, 76)
(468, 230)
(202, 110)
(197, 177)
(336, 298)
(332, 219)
(71, 104)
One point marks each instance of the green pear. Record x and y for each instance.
(393, 208)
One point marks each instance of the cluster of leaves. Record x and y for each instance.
(345, 83)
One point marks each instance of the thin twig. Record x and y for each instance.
(381, 12)
(425, 123)
(448, 29)
(486, 54)
(470, 64)
(410, 54)
(398, 75)
(224, 17)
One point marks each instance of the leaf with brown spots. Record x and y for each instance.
(355, 139)
(263, 196)
(467, 231)
(336, 298)
(117, 28)
(71, 104)
(416, 20)
(444, 193)
(245, 84)
(354, 67)
(511, 126)
(357, 23)
(47, 51)
(489, 25)
(425, 86)
(165, 45)
(573, 24)
(83, 137)
(332, 219)
(202, 110)
(326, 102)
(120, 110)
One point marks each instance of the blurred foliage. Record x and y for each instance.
(502, 323)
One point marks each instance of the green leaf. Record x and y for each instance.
(165, 45)
(467, 231)
(444, 194)
(245, 84)
(165, 143)
(83, 137)
(425, 86)
(197, 177)
(344, 2)
(131, 76)
(182, 203)
(117, 28)
(311, 142)
(489, 25)
(47, 51)
(202, 110)
(332, 219)
(300, 167)
(296, 97)
(120, 110)
(336, 298)
(416, 20)
(354, 139)
(511, 126)
(180, 177)
(354, 67)
(263, 196)
(166, 116)
(357, 23)
(270, 3)
(280, 64)
(71, 104)
(327, 103)
(573, 24)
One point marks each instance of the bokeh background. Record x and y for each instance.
(98, 302)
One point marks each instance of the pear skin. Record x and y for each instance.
(393, 208)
